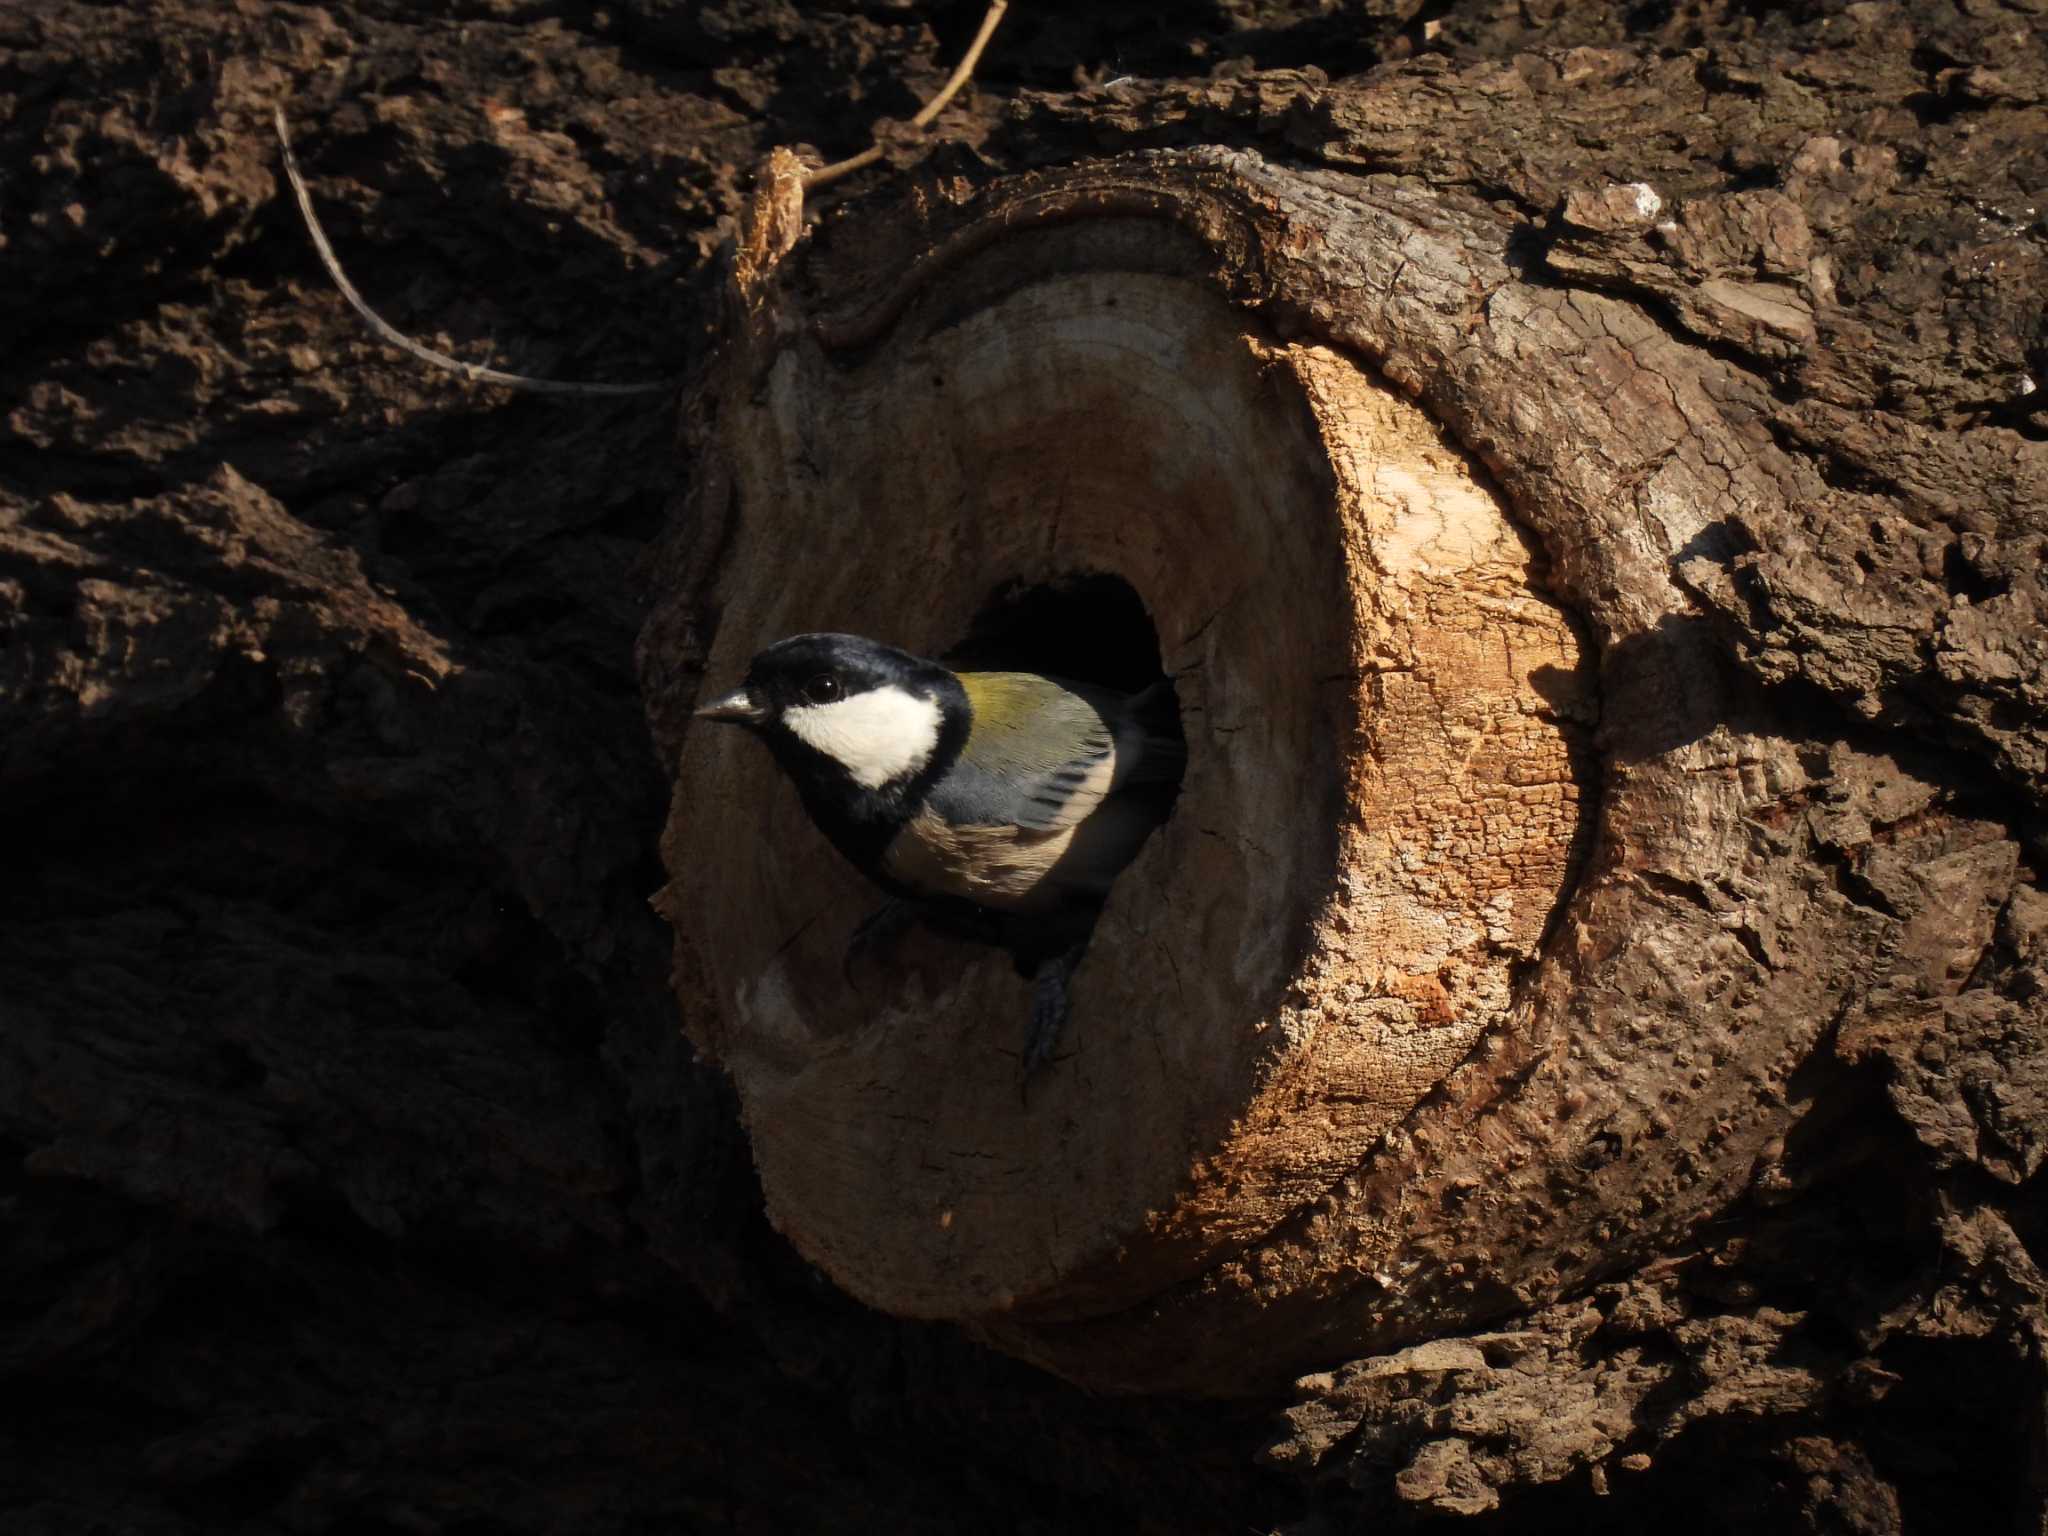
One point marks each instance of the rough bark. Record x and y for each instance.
(1375, 827)
(358, 1174)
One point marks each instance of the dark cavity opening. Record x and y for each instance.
(1085, 628)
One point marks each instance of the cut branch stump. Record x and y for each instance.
(1409, 1017)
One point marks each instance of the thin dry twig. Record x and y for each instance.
(960, 76)
(390, 333)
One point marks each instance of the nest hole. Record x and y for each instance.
(1088, 628)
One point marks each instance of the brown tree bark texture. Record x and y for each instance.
(358, 1175)
(1375, 826)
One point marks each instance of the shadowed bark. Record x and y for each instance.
(358, 1173)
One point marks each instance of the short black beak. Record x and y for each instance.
(737, 707)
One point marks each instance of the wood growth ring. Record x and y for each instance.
(1380, 814)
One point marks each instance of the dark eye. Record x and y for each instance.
(822, 689)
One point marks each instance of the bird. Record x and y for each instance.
(993, 806)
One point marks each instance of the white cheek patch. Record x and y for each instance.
(876, 737)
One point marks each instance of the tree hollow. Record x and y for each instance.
(1377, 819)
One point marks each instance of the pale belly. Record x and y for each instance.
(1000, 867)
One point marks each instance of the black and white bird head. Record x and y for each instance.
(844, 713)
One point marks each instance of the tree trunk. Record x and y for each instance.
(1574, 1055)
(1373, 831)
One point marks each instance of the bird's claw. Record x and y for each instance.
(1050, 1003)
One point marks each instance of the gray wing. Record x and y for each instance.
(1042, 754)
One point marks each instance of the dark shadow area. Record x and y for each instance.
(1662, 688)
(1089, 628)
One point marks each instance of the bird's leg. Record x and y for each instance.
(877, 935)
(1049, 1005)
